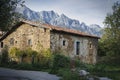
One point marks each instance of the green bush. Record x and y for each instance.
(23, 66)
(20, 54)
(60, 61)
(80, 64)
(67, 74)
(44, 58)
(4, 57)
(31, 53)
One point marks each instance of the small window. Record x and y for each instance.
(11, 41)
(29, 42)
(77, 48)
(1, 44)
(45, 30)
(16, 42)
(90, 45)
(64, 42)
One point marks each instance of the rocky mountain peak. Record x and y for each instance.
(51, 17)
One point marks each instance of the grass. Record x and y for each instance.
(67, 74)
(114, 75)
(110, 71)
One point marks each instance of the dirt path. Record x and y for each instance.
(10, 74)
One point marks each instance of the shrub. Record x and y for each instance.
(68, 75)
(17, 53)
(110, 60)
(21, 54)
(80, 64)
(4, 57)
(44, 58)
(23, 66)
(14, 53)
(60, 61)
(31, 53)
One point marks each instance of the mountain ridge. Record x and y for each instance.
(53, 18)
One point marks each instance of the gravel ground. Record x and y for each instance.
(10, 74)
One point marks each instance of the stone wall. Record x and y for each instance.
(39, 38)
(27, 36)
(66, 43)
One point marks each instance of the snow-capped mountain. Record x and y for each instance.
(62, 20)
(96, 29)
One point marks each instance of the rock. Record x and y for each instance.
(83, 73)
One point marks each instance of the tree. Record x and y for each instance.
(7, 13)
(111, 36)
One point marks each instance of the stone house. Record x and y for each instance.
(72, 43)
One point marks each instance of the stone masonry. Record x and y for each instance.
(70, 42)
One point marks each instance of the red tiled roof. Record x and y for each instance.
(56, 28)
(69, 31)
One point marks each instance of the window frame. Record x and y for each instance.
(64, 42)
(29, 42)
(90, 45)
(77, 47)
(11, 41)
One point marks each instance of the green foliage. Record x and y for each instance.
(114, 75)
(68, 75)
(109, 60)
(4, 57)
(80, 64)
(101, 49)
(14, 52)
(109, 45)
(112, 32)
(7, 14)
(23, 66)
(106, 70)
(61, 61)
(20, 54)
(44, 58)
(30, 52)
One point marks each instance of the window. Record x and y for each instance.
(11, 41)
(64, 42)
(29, 42)
(45, 30)
(90, 45)
(1, 44)
(77, 48)
(16, 42)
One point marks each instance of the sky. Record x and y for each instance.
(87, 11)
